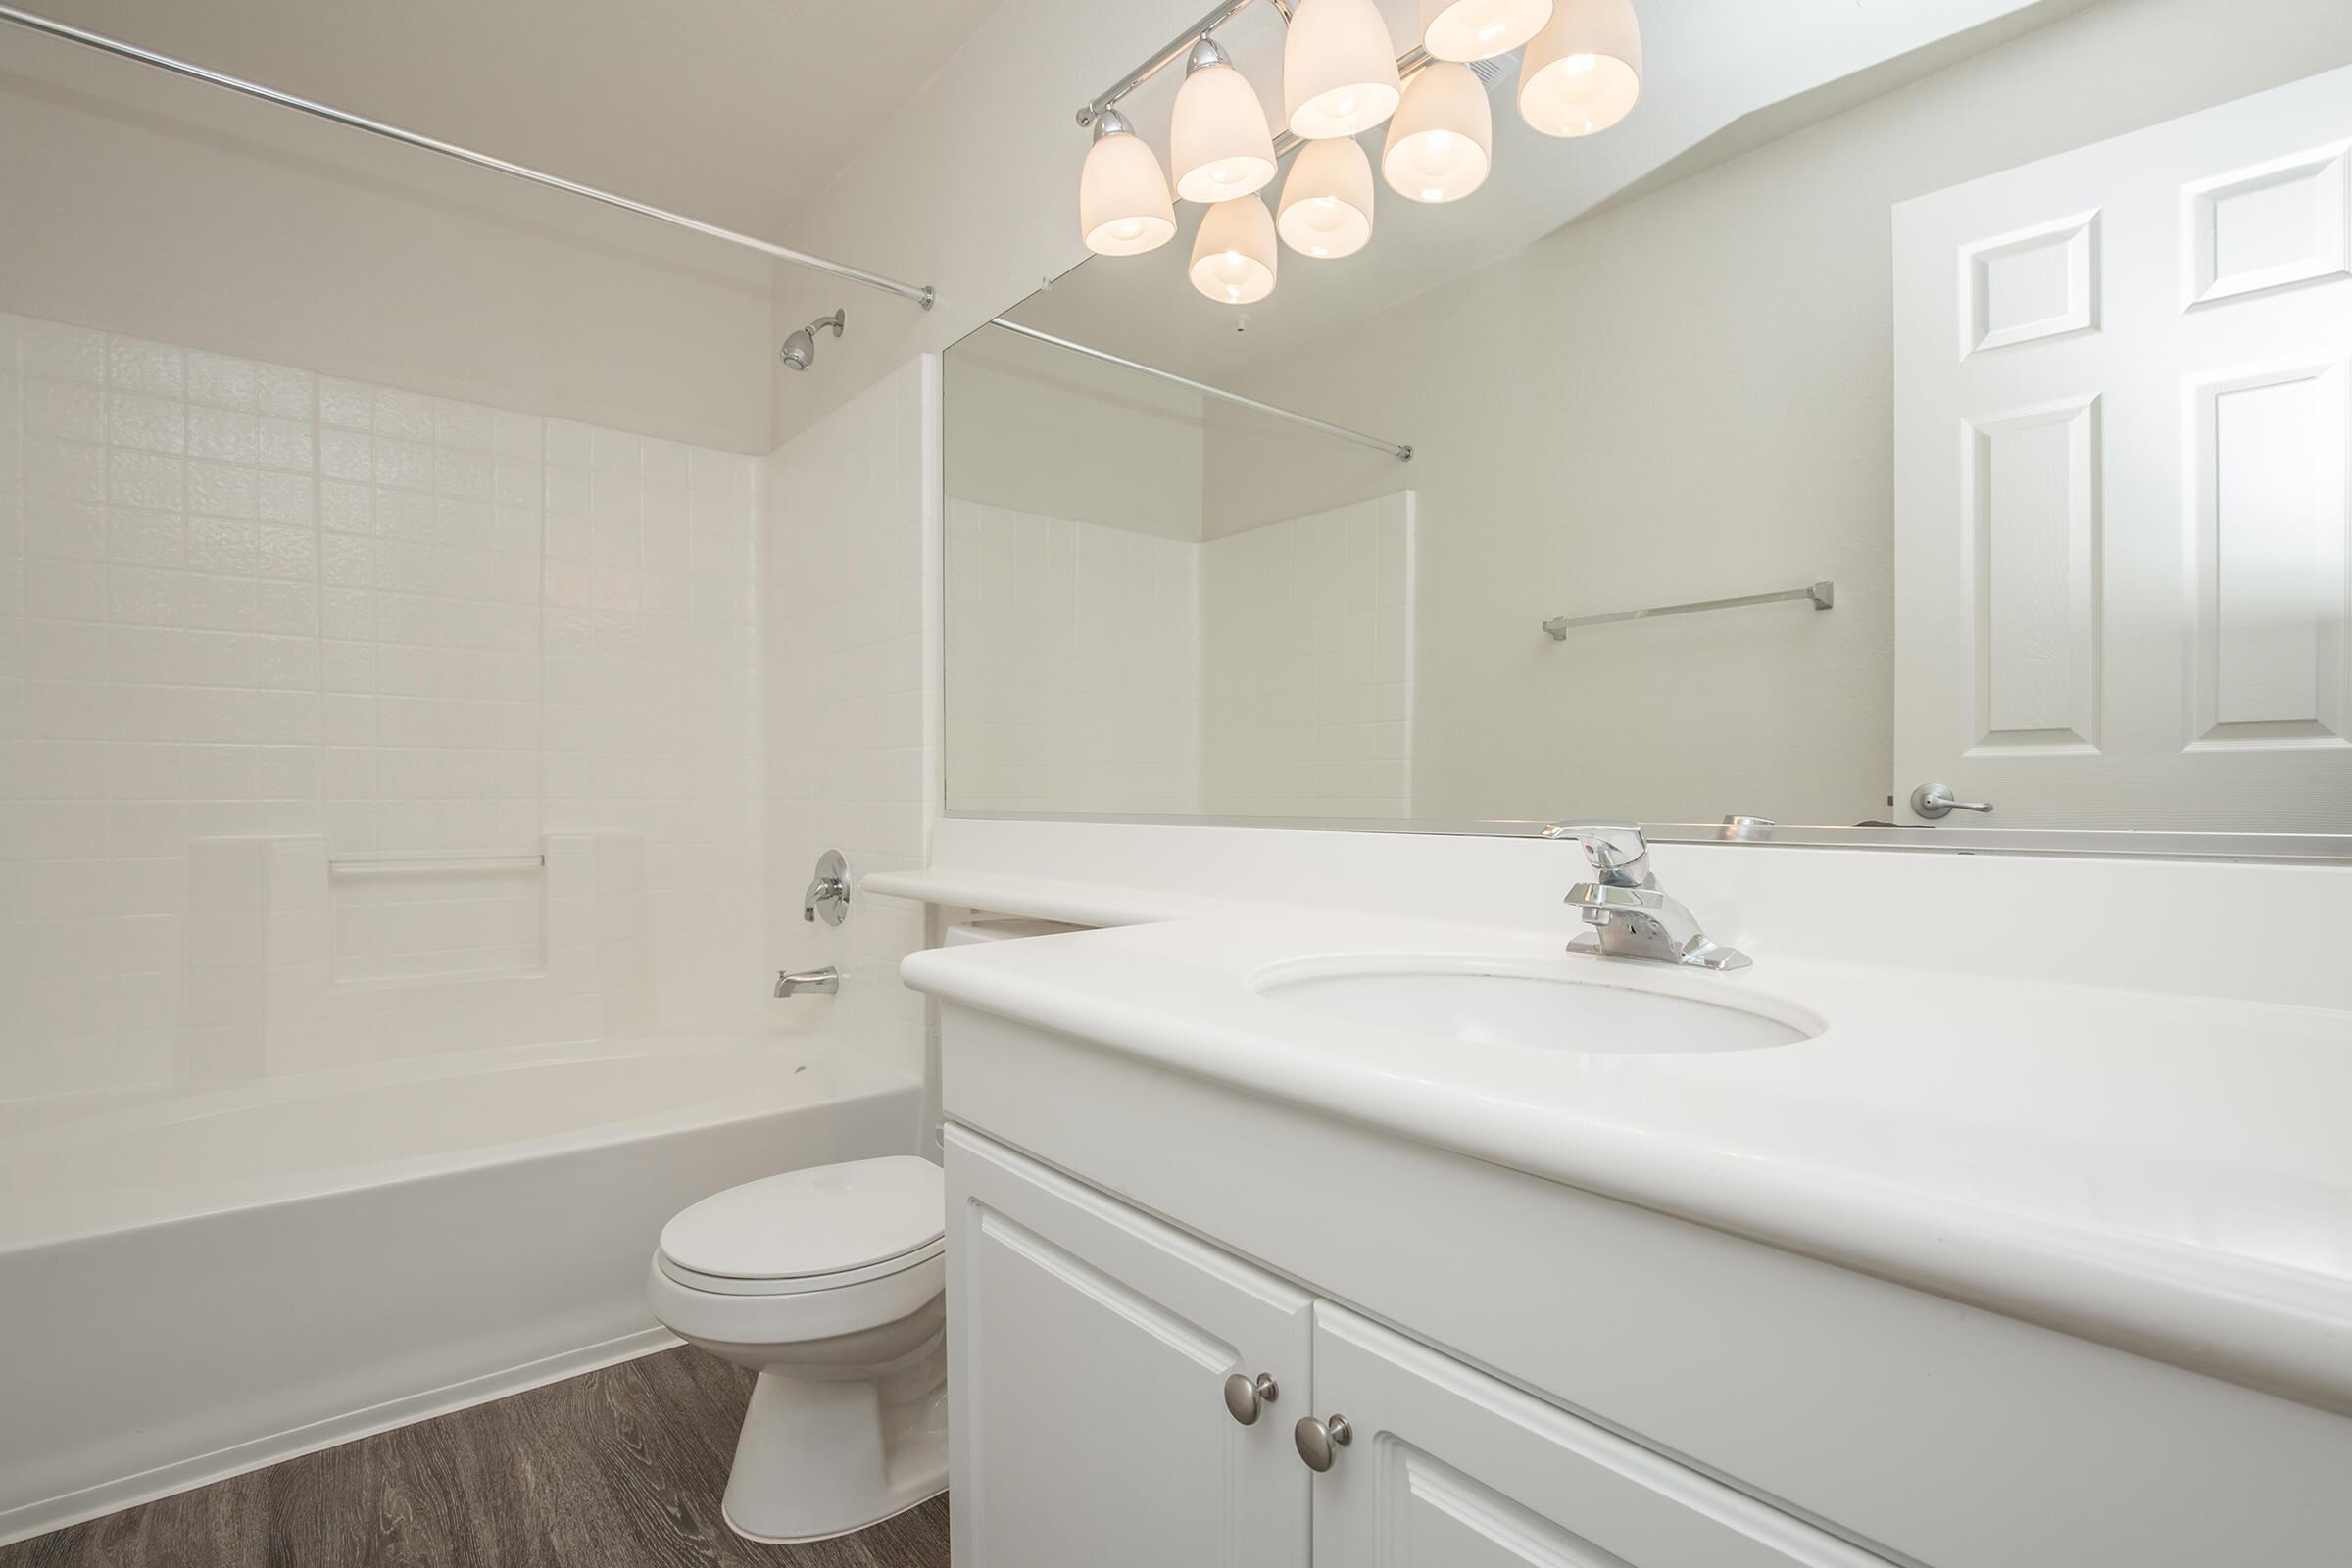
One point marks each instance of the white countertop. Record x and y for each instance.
(2172, 1175)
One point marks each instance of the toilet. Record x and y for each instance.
(830, 1283)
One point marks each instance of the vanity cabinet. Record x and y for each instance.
(1549, 1365)
(1092, 1348)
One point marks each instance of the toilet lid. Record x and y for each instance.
(827, 1219)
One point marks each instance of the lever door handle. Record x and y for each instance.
(1938, 800)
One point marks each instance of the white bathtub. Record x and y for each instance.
(198, 1286)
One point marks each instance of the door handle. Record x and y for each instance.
(1320, 1442)
(1938, 800)
(1244, 1395)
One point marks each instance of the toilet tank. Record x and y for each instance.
(964, 934)
(967, 932)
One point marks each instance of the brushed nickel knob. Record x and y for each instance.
(1320, 1442)
(1243, 1395)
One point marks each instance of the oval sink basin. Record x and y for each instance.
(1542, 1010)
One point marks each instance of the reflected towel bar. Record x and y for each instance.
(1822, 595)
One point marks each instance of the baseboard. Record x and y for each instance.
(31, 1519)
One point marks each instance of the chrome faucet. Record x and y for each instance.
(1630, 917)
(789, 984)
(829, 893)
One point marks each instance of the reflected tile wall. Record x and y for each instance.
(1308, 663)
(1077, 651)
(1263, 673)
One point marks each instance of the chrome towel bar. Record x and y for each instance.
(1822, 595)
(428, 864)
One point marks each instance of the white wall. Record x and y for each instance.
(1689, 397)
(173, 211)
(849, 610)
(254, 619)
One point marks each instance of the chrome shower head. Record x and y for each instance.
(800, 349)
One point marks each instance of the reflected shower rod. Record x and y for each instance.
(1402, 453)
(921, 293)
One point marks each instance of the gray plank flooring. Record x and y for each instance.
(620, 1468)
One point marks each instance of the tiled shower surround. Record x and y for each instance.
(439, 667)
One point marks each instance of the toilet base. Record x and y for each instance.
(820, 1458)
(831, 1534)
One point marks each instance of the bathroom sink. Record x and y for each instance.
(1530, 1008)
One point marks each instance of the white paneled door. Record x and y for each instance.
(2121, 454)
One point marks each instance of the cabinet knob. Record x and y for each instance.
(1243, 1395)
(1320, 1442)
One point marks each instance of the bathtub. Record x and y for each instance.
(202, 1284)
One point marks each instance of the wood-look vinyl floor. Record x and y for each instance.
(620, 1468)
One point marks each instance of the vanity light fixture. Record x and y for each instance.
(1480, 29)
(1441, 141)
(1583, 72)
(1580, 73)
(1326, 209)
(1339, 69)
(1218, 145)
(1123, 206)
(1233, 255)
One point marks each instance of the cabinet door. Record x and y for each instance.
(1446, 1467)
(1087, 1349)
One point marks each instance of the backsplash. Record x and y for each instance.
(242, 602)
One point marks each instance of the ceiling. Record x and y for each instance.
(736, 111)
(1719, 76)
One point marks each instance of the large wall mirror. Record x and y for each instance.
(1982, 366)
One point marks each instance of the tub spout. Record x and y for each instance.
(788, 984)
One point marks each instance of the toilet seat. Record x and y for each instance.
(813, 1229)
(798, 1284)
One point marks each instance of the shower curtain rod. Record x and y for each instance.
(921, 293)
(1403, 454)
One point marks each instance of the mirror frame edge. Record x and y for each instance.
(2097, 842)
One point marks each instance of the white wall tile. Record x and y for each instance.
(244, 604)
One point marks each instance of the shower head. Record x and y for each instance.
(800, 349)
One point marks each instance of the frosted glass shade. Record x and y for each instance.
(1219, 146)
(1442, 142)
(1479, 29)
(1123, 206)
(1583, 72)
(1327, 202)
(1233, 255)
(1339, 69)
